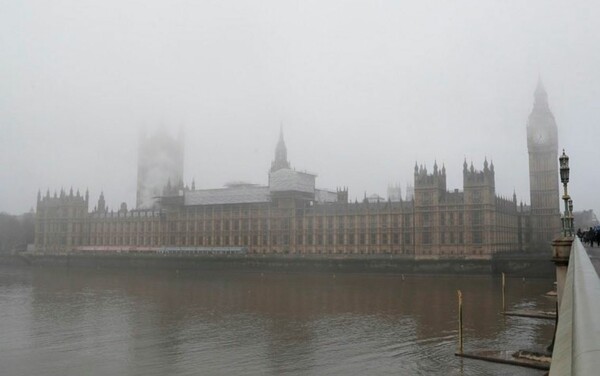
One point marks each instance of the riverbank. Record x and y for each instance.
(523, 265)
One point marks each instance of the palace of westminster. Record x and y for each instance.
(290, 216)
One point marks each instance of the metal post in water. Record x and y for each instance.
(460, 323)
(503, 292)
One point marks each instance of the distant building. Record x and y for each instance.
(585, 219)
(290, 215)
(410, 192)
(394, 192)
(160, 163)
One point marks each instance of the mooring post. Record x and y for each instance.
(503, 292)
(460, 323)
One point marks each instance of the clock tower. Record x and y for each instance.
(542, 144)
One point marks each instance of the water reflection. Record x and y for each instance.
(75, 321)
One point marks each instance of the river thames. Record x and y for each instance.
(71, 321)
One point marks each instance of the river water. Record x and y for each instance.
(59, 321)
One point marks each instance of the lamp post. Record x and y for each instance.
(564, 178)
(571, 217)
(561, 247)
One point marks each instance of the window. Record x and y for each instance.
(476, 197)
(373, 222)
(427, 237)
(426, 219)
(476, 218)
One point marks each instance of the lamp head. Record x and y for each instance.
(571, 206)
(564, 167)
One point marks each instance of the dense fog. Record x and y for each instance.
(362, 91)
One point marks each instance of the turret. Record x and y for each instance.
(479, 186)
(280, 160)
(342, 194)
(101, 203)
(473, 177)
(429, 188)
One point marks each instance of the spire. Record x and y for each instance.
(193, 184)
(101, 203)
(280, 160)
(541, 125)
(39, 196)
(540, 95)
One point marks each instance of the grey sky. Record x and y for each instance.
(363, 89)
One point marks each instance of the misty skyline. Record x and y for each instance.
(363, 90)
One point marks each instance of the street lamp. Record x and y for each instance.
(564, 178)
(571, 217)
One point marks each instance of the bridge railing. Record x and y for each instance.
(577, 346)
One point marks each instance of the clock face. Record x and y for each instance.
(539, 137)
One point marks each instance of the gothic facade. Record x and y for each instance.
(290, 216)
